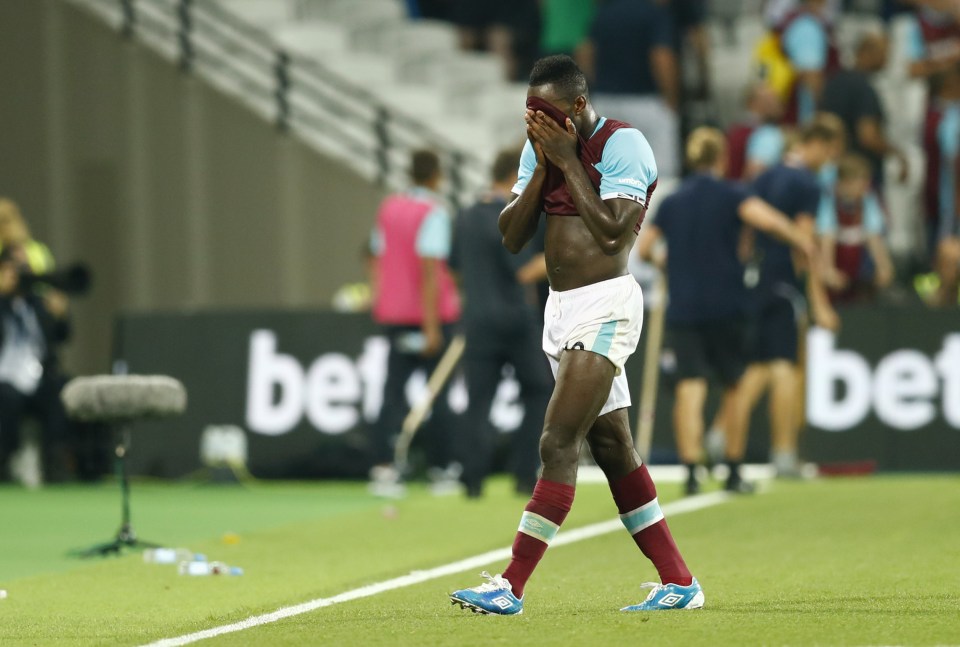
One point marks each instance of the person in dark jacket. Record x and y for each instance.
(32, 326)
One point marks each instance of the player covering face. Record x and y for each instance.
(593, 178)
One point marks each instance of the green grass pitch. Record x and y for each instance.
(870, 561)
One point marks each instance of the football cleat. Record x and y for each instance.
(493, 597)
(670, 596)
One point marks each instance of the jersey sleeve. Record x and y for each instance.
(872, 215)
(805, 43)
(528, 162)
(433, 237)
(627, 168)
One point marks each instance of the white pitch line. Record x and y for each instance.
(690, 504)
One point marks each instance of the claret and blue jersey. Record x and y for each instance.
(626, 167)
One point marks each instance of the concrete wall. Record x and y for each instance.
(177, 196)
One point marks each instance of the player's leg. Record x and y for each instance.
(691, 394)
(751, 385)
(536, 384)
(726, 355)
(476, 436)
(689, 346)
(783, 390)
(583, 385)
(636, 497)
(400, 366)
(782, 351)
(438, 437)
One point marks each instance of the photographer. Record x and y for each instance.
(31, 328)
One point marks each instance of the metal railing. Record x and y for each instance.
(299, 94)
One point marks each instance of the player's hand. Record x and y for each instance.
(835, 279)
(537, 149)
(433, 341)
(826, 317)
(558, 145)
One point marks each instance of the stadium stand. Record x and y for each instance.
(365, 83)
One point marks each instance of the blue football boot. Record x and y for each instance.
(495, 596)
(670, 596)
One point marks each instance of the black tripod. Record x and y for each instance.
(126, 537)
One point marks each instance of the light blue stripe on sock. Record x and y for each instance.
(538, 527)
(601, 345)
(642, 518)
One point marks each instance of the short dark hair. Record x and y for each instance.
(561, 72)
(424, 166)
(506, 164)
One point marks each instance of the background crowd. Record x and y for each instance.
(649, 64)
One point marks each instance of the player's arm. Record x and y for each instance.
(533, 271)
(611, 221)
(433, 247)
(824, 314)
(430, 297)
(760, 215)
(647, 242)
(519, 219)
(826, 227)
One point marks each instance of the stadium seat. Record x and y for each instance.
(263, 12)
(312, 37)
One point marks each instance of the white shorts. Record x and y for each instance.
(604, 318)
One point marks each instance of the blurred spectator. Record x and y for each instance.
(502, 326)
(797, 56)
(942, 144)
(777, 303)
(416, 303)
(934, 40)
(14, 231)
(31, 328)
(850, 226)
(508, 28)
(566, 24)
(776, 11)
(827, 173)
(692, 40)
(706, 331)
(850, 95)
(757, 142)
(631, 61)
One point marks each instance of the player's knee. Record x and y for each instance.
(558, 447)
(610, 452)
